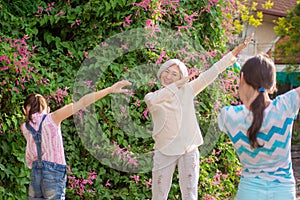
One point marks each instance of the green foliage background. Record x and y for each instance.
(46, 49)
(288, 28)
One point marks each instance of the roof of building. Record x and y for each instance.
(279, 8)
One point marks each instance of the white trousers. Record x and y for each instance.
(188, 170)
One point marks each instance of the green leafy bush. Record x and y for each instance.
(48, 47)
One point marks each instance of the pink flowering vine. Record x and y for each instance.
(229, 85)
(137, 102)
(104, 44)
(209, 197)
(145, 4)
(126, 69)
(145, 113)
(124, 46)
(48, 10)
(4, 68)
(161, 57)
(61, 12)
(151, 83)
(76, 23)
(130, 93)
(149, 23)
(107, 184)
(189, 19)
(81, 184)
(16, 61)
(59, 95)
(193, 70)
(127, 21)
(123, 112)
(70, 54)
(216, 179)
(148, 183)
(88, 83)
(136, 178)
(124, 155)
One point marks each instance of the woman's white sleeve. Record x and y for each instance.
(212, 73)
(161, 95)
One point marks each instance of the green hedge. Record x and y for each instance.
(56, 48)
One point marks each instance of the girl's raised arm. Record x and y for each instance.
(59, 115)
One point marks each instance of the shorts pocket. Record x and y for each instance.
(53, 183)
(34, 190)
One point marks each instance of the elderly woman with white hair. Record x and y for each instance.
(176, 131)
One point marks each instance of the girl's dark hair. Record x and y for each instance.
(259, 72)
(36, 103)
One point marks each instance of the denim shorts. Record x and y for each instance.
(254, 188)
(47, 182)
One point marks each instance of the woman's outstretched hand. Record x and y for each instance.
(185, 80)
(239, 48)
(118, 87)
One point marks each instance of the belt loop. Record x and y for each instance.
(39, 164)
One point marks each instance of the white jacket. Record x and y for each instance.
(176, 130)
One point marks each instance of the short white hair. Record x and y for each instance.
(171, 62)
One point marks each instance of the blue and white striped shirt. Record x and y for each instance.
(273, 161)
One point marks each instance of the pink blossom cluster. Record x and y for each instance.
(80, 184)
(124, 155)
(229, 85)
(59, 95)
(76, 23)
(136, 178)
(48, 10)
(160, 7)
(16, 61)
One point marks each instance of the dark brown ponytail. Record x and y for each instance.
(259, 72)
(36, 104)
(257, 107)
